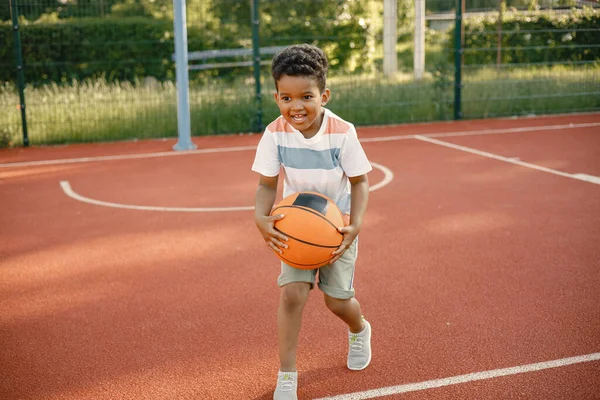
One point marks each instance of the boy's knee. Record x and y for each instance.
(295, 294)
(336, 305)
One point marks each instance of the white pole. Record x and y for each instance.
(419, 52)
(390, 20)
(184, 137)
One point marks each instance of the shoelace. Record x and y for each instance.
(356, 343)
(287, 383)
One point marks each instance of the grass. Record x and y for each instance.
(101, 111)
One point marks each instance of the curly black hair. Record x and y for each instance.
(301, 60)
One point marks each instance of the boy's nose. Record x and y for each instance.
(297, 106)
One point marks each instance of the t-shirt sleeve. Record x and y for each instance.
(354, 161)
(266, 160)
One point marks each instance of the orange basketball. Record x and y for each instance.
(310, 223)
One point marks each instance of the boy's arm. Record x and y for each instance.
(359, 200)
(265, 197)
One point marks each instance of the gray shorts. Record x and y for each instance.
(335, 280)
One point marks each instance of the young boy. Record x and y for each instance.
(318, 152)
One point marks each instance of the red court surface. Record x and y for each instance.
(143, 276)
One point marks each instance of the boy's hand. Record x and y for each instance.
(350, 232)
(273, 238)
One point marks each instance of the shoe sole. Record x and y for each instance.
(370, 353)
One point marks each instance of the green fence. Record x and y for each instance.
(98, 70)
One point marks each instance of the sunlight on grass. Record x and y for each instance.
(102, 111)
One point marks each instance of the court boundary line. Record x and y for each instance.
(388, 176)
(483, 132)
(578, 176)
(246, 148)
(466, 378)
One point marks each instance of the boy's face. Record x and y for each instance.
(300, 103)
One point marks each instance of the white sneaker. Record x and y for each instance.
(287, 386)
(359, 348)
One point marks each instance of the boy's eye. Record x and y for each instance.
(308, 97)
(285, 98)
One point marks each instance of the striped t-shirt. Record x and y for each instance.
(321, 164)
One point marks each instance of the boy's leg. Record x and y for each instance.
(295, 286)
(336, 282)
(348, 310)
(359, 331)
(289, 317)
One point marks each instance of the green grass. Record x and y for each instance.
(100, 111)
(489, 93)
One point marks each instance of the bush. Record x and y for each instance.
(5, 138)
(60, 50)
(63, 50)
(534, 38)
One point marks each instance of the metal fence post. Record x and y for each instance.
(20, 72)
(184, 135)
(390, 37)
(458, 51)
(256, 62)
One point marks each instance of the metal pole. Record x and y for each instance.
(20, 72)
(501, 5)
(458, 51)
(390, 37)
(419, 39)
(184, 134)
(256, 62)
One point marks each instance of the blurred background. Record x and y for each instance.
(103, 70)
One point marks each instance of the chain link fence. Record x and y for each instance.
(99, 70)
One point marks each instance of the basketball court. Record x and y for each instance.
(130, 271)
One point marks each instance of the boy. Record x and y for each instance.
(319, 152)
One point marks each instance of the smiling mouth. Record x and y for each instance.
(299, 118)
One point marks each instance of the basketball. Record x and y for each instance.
(310, 223)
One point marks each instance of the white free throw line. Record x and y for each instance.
(66, 187)
(512, 160)
(388, 176)
(245, 148)
(455, 380)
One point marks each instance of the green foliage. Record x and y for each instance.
(440, 6)
(131, 8)
(134, 37)
(118, 49)
(34, 9)
(442, 85)
(541, 37)
(338, 26)
(102, 111)
(5, 138)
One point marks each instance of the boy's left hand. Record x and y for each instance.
(350, 232)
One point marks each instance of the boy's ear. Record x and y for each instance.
(325, 96)
(275, 96)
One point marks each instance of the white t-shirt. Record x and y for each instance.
(321, 164)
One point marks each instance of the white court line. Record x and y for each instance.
(388, 176)
(66, 187)
(455, 380)
(512, 160)
(588, 178)
(484, 132)
(126, 157)
(245, 148)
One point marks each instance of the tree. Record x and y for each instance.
(339, 25)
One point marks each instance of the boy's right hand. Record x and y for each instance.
(273, 238)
